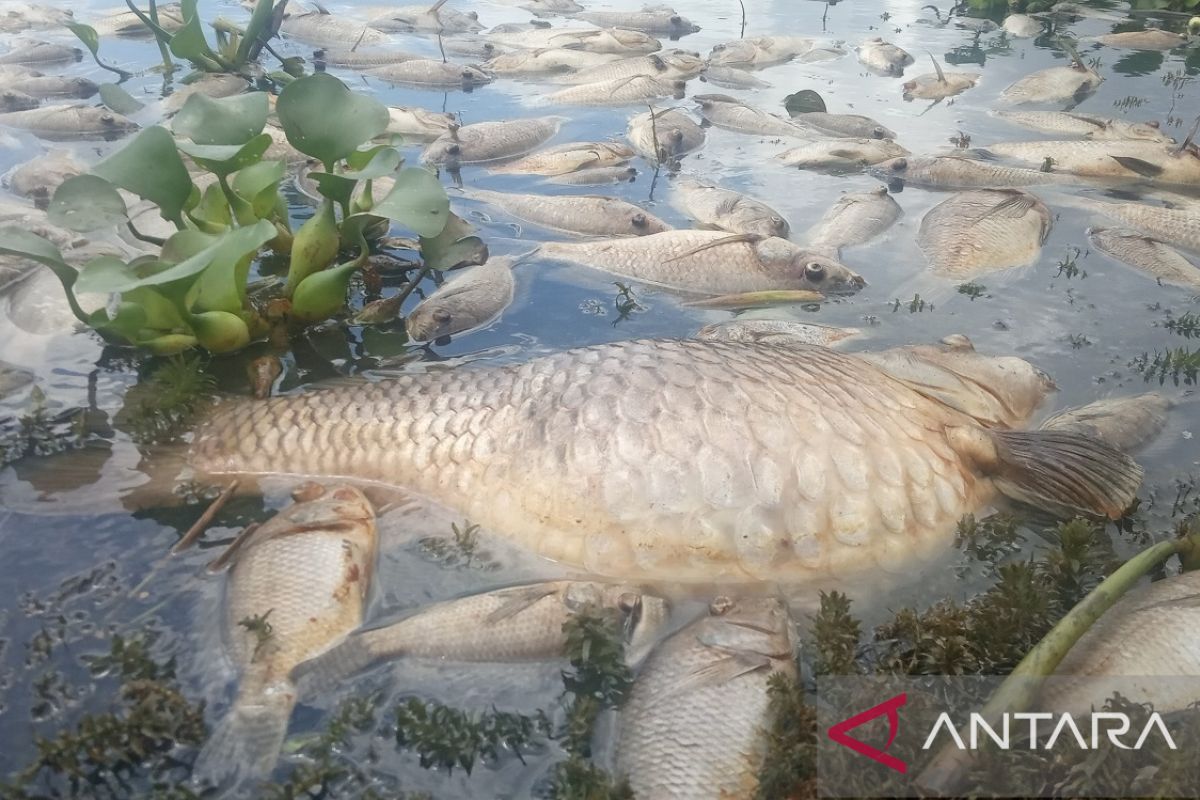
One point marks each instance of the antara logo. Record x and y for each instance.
(1113, 724)
(889, 707)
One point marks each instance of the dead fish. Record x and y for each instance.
(696, 721)
(29, 17)
(419, 124)
(1151, 256)
(666, 65)
(12, 100)
(883, 57)
(471, 48)
(638, 90)
(1023, 26)
(855, 219)
(423, 19)
(1085, 11)
(844, 125)
(548, 7)
(570, 157)
(63, 122)
(129, 24)
(713, 207)
(297, 585)
(1098, 158)
(775, 331)
(1143, 647)
(18, 213)
(1124, 423)
(1053, 85)
(481, 142)
(939, 84)
(546, 61)
(982, 230)
(960, 172)
(665, 136)
(1089, 126)
(39, 177)
(587, 215)
(711, 262)
(732, 114)
(13, 379)
(651, 19)
(595, 176)
(843, 153)
(679, 460)
(605, 40)
(1150, 39)
(772, 298)
(519, 623)
(466, 302)
(1176, 226)
(976, 24)
(760, 52)
(41, 53)
(427, 72)
(362, 59)
(330, 30)
(731, 78)
(35, 84)
(218, 85)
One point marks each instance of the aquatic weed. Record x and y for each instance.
(973, 290)
(790, 766)
(1068, 266)
(1179, 364)
(461, 549)
(262, 630)
(916, 305)
(446, 737)
(990, 539)
(836, 634)
(163, 406)
(43, 432)
(1186, 325)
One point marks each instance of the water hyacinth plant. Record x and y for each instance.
(193, 291)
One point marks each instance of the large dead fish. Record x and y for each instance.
(606, 40)
(960, 172)
(481, 142)
(587, 215)
(842, 154)
(362, 59)
(732, 114)
(570, 157)
(682, 461)
(65, 122)
(1176, 226)
(636, 90)
(545, 61)
(939, 84)
(1053, 85)
(983, 230)
(1161, 261)
(696, 720)
(775, 331)
(711, 262)
(764, 51)
(12, 100)
(1149, 39)
(1090, 126)
(847, 125)
(883, 57)
(1023, 26)
(35, 84)
(41, 53)
(596, 176)
(664, 135)
(297, 585)
(464, 303)
(651, 19)
(666, 65)
(419, 124)
(427, 72)
(1129, 159)
(39, 177)
(422, 19)
(330, 30)
(1125, 423)
(856, 218)
(724, 209)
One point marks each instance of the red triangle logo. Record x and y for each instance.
(838, 732)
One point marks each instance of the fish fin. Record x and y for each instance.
(1065, 472)
(1151, 422)
(941, 76)
(1138, 165)
(330, 669)
(717, 673)
(245, 745)
(749, 238)
(520, 599)
(1016, 206)
(1098, 124)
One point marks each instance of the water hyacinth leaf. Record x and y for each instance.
(233, 244)
(150, 167)
(86, 203)
(212, 214)
(337, 188)
(803, 102)
(101, 274)
(221, 286)
(25, 244)
(127, 322)
(258, 185)
(374, 163)
(189, 43)
(86, 34)
(220, 331)
(225, 159)
(169, 345)
(185, 244)
(417, 201)
(161, 313)
(324, 119)
(119, 100)
(322, 294)
(260, 18)
(222, 121)
(456, 246)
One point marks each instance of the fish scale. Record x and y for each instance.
(589, 215)
(979, 231)
(1177, 226)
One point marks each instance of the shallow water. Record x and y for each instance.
(1082, 330)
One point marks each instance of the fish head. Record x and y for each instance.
(681, 26)
(881, 132)
(748, 624)
(634, 40)
(473, 76)
(444, 150)
(1150, 131)
(319, 506)
(642, 223)
(892, 172)
(807, 269)
(642, 618)
(11, 100)
(428, 322)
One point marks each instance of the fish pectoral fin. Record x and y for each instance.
(941, 76)
(1138, 165)
(1098, 124)
(717, 673)
(1064, 472)
(749, 238)
(1016, 206)
(518, 600)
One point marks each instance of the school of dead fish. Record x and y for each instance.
(752, 455)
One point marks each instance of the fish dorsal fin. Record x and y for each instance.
(517, 600)
(1188, 139)
(321, 10)
(1015, 206)
(1138, 165)
(749, 238)
(941, 76)
(717, 673)
(1098, 124)
(433, 9)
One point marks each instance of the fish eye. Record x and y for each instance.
(639, 220)
(629, 602)
(899, 165)
(814, 272)
(677, 135)
(1153, 124)
(676, 19)
(720, 606)
(441, 315)
(107, 119)
(879, 133)
(453, 149)
(777, 222)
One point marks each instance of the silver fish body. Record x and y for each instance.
(214, 85)
(35, 84)
(406, 19)
(714, 207)
(570, 157)
(732, 114)
(731, 78)
(464, 303)
(64, 122)
(1091, 126)
(13, 100)
(983, 230)
(427, 72)
(775, 331)
(1023, 26)
(636, 90)
(883, 57)
(330, 30)
(1150, 39)
(618, 41)
(666, 65)
(586, 215)
(39, 177)
(362, 59)
(596, 176)
(939, 86)
(1176, 226)
(482, 142)
(41, 53)
(695, 724)
(1129, 159)
(960, 172)
(546, 61)
(665, 136)
(1160, 261)
(765, 51)
(658, 20)
(1124, 423)
(856, 218)
(843, 153)
(1052, 85)
(846, 125)
(418, 123)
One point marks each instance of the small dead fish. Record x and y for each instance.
(549, 7)
(666, 136)
(516, 624)
(960, 172)
(422, 19)
(776, 331)
(12, 100)
(570, 157)
(976, 24)
(844, 125)
(651, 19)
(1176, 226)
(1123, 423)
(129, 24)
(262, 373)
(482, 142)
(765, 51)
(330, 30)
(1087, 12)
(297, 585)
(466, 302)
(41, 53)
(731, 78)
(1023, 26)
(546, 61)
(844, 153)
(855, 219)
(595, 176)
(1053, 85)
(587, 215)
(362, 59)
(732, 114)
(666, 65)
(939, 84)
(1151, 256)
(883, 57)
(711, 262)
(983, 230)
(747, 300)
(419, 124)
(427, 72)
(35, 84)
(471, 48)
(639, 89)
(13, 379)
(29, 17)
(724, 209)
(1151, 39)
(696, 721)
(605, 40)
(1090, 126)
(1131, 159)
(39, 177)
(62, 122)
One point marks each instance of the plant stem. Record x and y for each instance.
(412, 285)
(160, 36)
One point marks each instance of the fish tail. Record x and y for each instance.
(1065, 473)
(245, 745)
(326, 671)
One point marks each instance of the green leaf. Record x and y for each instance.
(223, 121)
(127, 322)
(258, 185)
(456, 246)
(23, 243)
(104, 272)
(169, 345)
(161, 313)
(225, 159)
(221, 286)
(119, 100)
(220, 331)
(337, 188)
(374, 163)
(803, 102)
(86, 34)
(185, 244)
(325, 120)
(417, 201)
(212, 214)
(86, 203)
(322, 294)
(150, 167)
(260, 18)
(189, 43)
